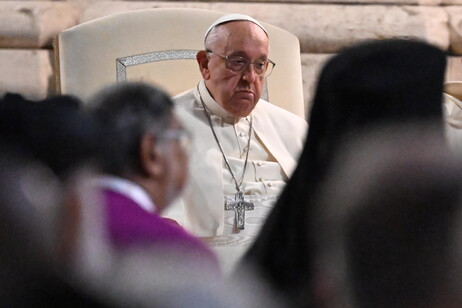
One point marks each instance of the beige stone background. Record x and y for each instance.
(27, 29)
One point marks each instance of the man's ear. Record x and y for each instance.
(151, 156)
(203, 62)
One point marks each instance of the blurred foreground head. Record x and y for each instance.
(375, 83)
(142, 140)
(389, 223)
(365, 85)
(54, 131)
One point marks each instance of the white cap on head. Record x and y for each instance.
(233, 17)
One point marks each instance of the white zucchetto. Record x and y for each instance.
(233, 17)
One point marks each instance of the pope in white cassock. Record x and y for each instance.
(243, 149)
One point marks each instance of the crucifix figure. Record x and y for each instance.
(239, 206)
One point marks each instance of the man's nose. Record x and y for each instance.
(249, 73)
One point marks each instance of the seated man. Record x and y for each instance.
(144, 166)
(244, 149)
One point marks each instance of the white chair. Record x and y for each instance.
(159, 46)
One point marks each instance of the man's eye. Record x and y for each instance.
(260, 65)
(237, 61)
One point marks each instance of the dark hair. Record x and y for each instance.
(125, 113)
(54, 131)
(367, 84)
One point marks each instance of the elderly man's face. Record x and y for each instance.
(236, 92)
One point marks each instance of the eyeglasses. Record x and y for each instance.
(263, 68)
(180, 135)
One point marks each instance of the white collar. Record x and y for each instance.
(211, 104)
(129, 189)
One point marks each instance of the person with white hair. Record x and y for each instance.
(244, 148)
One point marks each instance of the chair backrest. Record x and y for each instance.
(159, 46)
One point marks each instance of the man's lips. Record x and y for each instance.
(244, 94)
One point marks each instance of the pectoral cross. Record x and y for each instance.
(239, 206)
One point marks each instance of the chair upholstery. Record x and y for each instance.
(159, 46)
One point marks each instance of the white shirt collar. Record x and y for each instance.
(211, 104)
(129, 189)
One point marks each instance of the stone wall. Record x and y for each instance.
(27, 29)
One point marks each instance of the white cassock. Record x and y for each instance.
(453, 114)
(277, 139)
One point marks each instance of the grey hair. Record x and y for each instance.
(126, 112)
